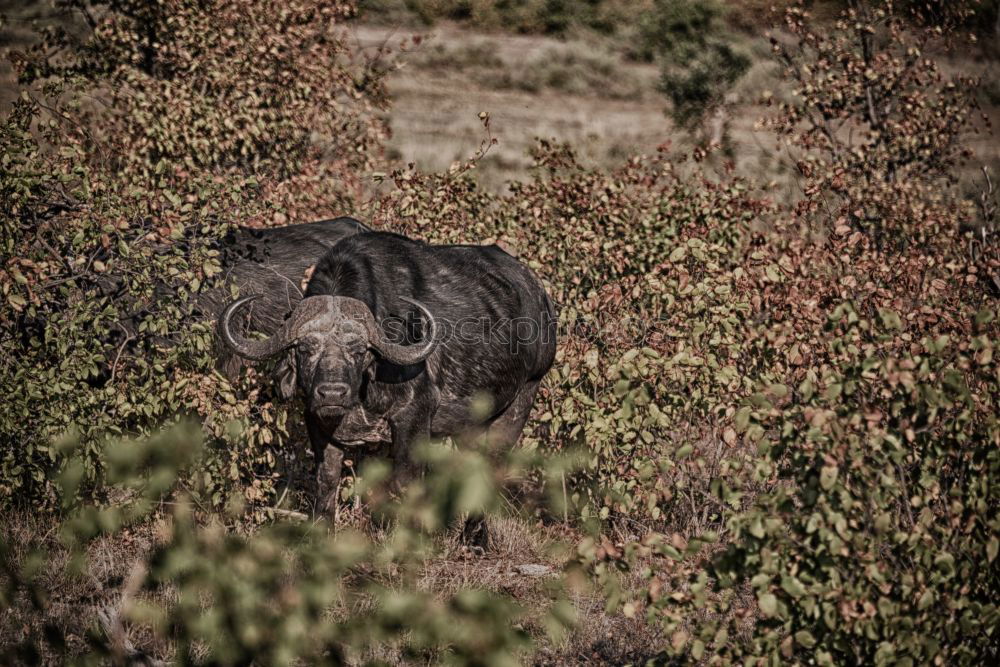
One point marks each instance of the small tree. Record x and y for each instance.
(699, 65)
(877, 129)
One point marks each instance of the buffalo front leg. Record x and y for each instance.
(410, 426)
(329, 459)
(328, 481)
(404, 437)
(409, 429)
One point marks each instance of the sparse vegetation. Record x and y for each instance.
(517, 16)
(593, 75)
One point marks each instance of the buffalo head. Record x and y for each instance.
(332, 341)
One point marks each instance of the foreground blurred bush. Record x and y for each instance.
(285, 593)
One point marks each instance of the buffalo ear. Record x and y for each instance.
(285, 376)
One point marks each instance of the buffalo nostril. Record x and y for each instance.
(331, 391)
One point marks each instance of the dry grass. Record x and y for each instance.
(559, 67)
(577, 91)
(582, 90)
(74, 596)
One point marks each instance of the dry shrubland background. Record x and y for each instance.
(771, 431)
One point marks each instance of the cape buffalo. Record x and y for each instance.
(397, 340)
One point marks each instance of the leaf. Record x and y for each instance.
(828, 477)
(742, 418)
(805, 639)
(833, 391)
(890, 319)
(807, 389)
(945, 562)
(792, 586)
(768, 604)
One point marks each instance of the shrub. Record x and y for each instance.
(669, 25)
(862, 529)
(701, 83)
(698, 61)
(876, 540)
(125, 160)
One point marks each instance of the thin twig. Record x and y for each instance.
(121, 348)
(290, 514)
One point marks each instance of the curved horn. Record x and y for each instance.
(405, 355)
(256, 350)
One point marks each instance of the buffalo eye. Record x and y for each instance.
(308, 346)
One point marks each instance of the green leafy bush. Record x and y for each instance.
(878, 540)
(132, 150)
(698, 84)
(674, 25)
